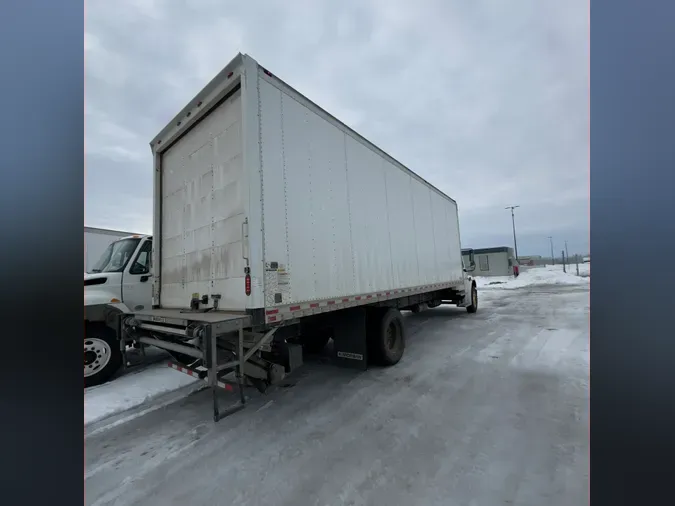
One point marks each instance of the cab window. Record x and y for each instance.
(143, 262)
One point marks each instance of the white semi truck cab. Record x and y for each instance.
(119, 283)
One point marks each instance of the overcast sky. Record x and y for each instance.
(487, 100)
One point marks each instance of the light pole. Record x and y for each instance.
(567, 253)
(513, 222)
(550, 238)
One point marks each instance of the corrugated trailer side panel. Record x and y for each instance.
(339, 218)
(403, 245)
(368, 218)
(306, 226)
(446, 234)
(423, 234)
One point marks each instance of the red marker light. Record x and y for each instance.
(247, 283)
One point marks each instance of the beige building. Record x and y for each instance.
(497, 261)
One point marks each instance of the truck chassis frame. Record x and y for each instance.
(209, 329)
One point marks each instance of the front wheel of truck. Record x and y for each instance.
(473, 307)
(102, 355)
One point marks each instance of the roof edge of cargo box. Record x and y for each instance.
(222, 76)
(213, 84)
(110, 231)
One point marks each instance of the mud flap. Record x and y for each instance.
(350, 345)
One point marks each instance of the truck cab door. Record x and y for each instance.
(137, 281)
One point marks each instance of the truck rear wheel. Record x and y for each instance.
(102, 355)
(387, 336)
(473, 307)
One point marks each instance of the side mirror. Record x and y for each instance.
(472, 262)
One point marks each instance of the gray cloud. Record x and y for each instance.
(487, 100)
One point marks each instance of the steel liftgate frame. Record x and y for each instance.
(214, 327)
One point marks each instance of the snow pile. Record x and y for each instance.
(133, 390)
(548, 275)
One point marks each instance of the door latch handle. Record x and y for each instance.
(144, 278)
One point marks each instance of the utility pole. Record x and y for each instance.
(513, 222)
(567, 253)
(550, 238)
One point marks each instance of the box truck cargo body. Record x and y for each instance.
(269, 181)
(269, 207)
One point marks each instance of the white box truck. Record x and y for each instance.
(118, 283)
(277, 228)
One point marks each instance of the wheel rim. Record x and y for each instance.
(96, 355)
(393, 336)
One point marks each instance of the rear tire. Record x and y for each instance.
(474, 300)
(102, 354)
(387, 337)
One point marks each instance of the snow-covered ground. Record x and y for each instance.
(548, 275)
(486, 408)
(133, 390)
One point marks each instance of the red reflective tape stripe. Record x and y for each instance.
(314, 305)
(272, 318)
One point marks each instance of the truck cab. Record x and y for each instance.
(119, 283)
